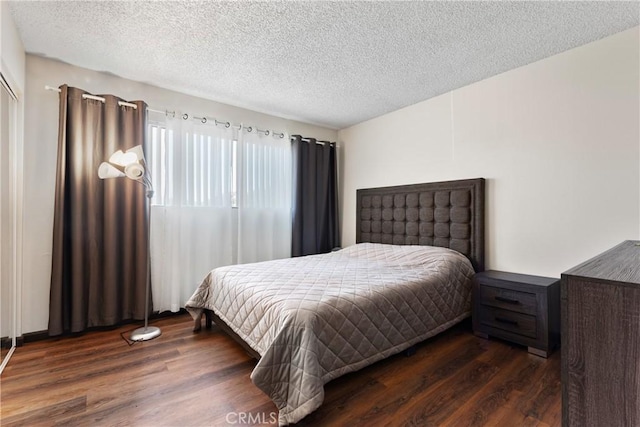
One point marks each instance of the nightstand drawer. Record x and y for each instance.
(518, 323)
(522, 302)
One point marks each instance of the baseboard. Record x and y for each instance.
(158, 315)
(32, 337)
(5, 343)
(44, 335)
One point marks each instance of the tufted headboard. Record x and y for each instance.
(447, 214)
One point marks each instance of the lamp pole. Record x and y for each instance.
(147, 332)
(132, 165)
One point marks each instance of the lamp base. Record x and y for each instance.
(145, 333)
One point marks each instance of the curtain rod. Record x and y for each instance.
(317, 142)
(120, 103)
(185, 116)
(205, 119)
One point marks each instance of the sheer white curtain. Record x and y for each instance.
(264, 197)
(192, 218)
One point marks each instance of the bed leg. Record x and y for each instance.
(208, 319)
(410, 351)
(196, 324)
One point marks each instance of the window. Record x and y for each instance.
(157, 160)
(221, 197)
(195, 167)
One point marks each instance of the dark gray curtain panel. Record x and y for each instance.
(99, 266)
(315, 200)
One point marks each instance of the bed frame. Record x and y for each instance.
(446, 214)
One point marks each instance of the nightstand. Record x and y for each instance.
(519, 308)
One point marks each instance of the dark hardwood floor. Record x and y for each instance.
(202, 379)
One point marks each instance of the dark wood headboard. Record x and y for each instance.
(448, 214)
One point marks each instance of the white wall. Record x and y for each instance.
(41, 135)
(557, 140)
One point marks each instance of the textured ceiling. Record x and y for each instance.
(329, 63)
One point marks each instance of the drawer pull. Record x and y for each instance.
(507, 300)
(507, 321)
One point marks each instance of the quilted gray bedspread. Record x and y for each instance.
(315, 318)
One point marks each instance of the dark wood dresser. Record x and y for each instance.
(601, 340)
(520, 308)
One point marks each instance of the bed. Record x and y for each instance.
(311, 319)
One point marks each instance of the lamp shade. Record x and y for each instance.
(116, 158)
(107, 170)
(134, 170)
(129, 163)
(123, 159)
(137, 151)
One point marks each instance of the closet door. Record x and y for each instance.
(8, 209)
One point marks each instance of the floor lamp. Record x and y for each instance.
(132, 165)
